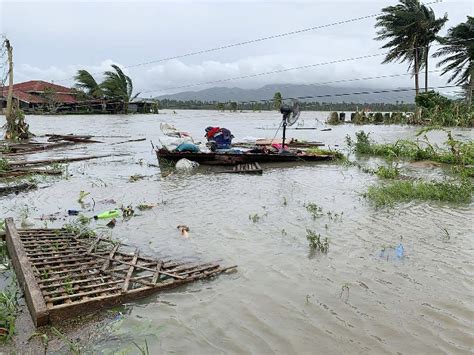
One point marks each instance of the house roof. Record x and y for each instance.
(31, 92)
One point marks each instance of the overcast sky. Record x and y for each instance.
(53, 39)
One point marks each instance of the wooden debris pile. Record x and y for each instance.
(65, 274)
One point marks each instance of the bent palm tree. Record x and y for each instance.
(431, 26)
(117, 85)
(458, 47)
(410, 27)
(86, 82)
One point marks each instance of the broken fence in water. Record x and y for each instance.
(65, 275)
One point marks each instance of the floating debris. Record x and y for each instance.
(65, 274)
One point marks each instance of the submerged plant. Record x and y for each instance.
(398, 191)
(4, 166)
(82, 196)
(314, 210)
(387, 172)
(458, 153)
(316, 242)
(136, 177)
(74, 346)
(8, 311)
(254, 217)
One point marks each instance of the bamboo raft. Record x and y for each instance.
(65, 274)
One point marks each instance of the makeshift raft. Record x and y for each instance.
(65, 274)
(228, 158)
(250, 168)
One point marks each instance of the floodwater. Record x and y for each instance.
(283, 299)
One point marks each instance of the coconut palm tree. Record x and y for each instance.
(458, 50)
(410, 27)
(431, 26)
(86, 82)
(117, 85)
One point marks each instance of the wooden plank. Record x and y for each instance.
(93, 245)
(130, 272)
(157, 272)
(26, 276)
(111, 257)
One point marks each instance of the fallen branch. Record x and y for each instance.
(71, 138)
(23, 172)
(61, 160)
(5, 190)
(130, 140)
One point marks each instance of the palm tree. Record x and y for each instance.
(86, 82)
(117, 85)
(458, 50)
(410, 28)
(431, 26)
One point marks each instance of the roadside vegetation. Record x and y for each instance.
(457, 154)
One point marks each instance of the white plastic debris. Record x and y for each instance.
(186, 165)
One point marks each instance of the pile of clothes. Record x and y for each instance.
(175, 140)
(218, 138)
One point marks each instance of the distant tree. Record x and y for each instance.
(233, 106)
(118, 86)
(458, 50)
(277, 100)
(50, 95)
(86, 82)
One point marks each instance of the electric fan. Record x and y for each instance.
(290, 114)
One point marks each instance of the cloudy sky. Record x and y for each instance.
(53, 39)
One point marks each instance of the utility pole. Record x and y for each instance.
(9, 112)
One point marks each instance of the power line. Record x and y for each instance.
(308, 66)
(256, 40)
(350, 80)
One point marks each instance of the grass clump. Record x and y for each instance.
(4, 166)
(316, 242)
(334, 119)
(254, 217)
(319, 151)
(8, 311)
(315, 210)
(458, 153)
(387, 172)
(401, 190)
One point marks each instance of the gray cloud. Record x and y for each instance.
(55, 39)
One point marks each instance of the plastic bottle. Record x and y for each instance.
(108, 214)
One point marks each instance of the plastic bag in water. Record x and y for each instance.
(186, 164)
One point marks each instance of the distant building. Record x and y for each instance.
(37, 95)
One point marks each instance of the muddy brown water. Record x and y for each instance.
(283, 299)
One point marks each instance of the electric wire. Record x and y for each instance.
(255, 40)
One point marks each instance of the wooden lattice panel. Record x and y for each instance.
(65, 275)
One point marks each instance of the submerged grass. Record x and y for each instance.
(387, 172)
(458, 153)
(4, 166)
(399, 191)
(316, 242)
(319, 151)
(8, 311)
